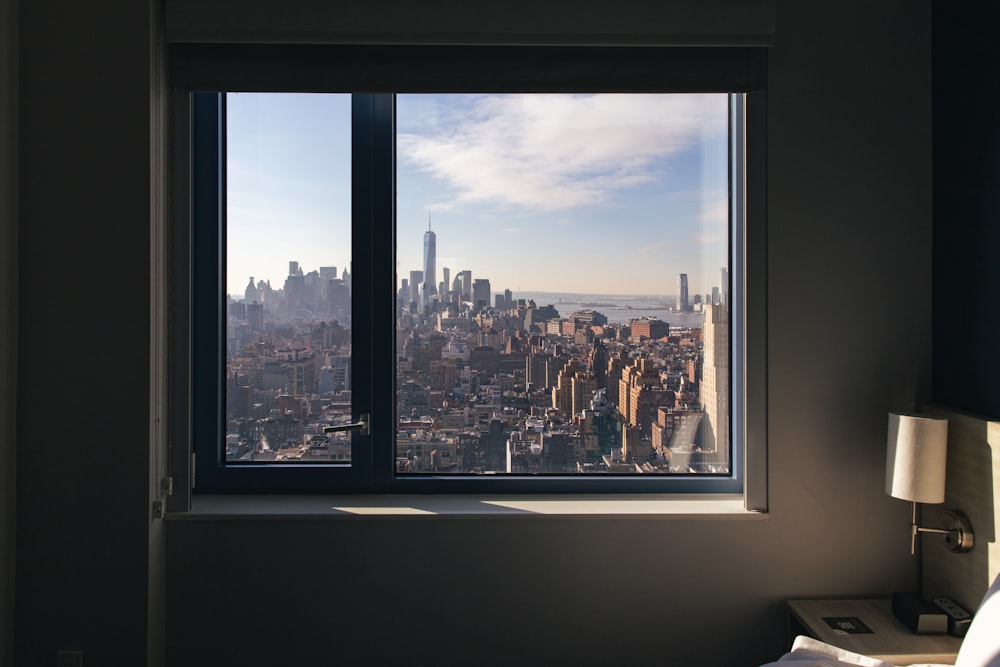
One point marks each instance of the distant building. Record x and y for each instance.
(715, 380)
(481, 292)
(649, 327)
(640, 373)
(536, 316)
(643, 402)
(676, 429)
(251, 294)
(636, 447)
(255, 316)
(265, 435)
(412, 398)
(589, 317)
(336, 376)
(416, 278)
(561, 452)
(445, 283)
(683, 304)
(463, 285)
(485, 358)
(583, 385)
(429, 288)
(534, 369)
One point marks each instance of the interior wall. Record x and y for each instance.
(83, 458)
(972, 486)
(8, 321)
(849, 140)
(966, 236)
(708, 22)
(966, 207)
(849, 174)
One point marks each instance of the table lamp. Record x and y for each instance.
(915, 471)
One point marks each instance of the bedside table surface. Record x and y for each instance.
(889, 639)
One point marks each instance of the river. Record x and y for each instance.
(618, 308)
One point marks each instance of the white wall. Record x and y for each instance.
(849, 339)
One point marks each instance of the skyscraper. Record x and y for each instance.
(463, 282)
(251, 294)
(683, 305)
(404, 294)
(715, 382)
(481, 292)
(416, 277)
(429, 288)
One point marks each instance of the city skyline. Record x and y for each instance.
(525, 190)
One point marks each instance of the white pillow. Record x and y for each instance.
(981, 646)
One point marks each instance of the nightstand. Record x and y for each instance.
(867, 626)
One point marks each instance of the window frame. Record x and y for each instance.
(199, 393)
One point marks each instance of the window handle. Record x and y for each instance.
(363, 424)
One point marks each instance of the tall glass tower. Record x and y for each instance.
(429, 288)
(683, 305)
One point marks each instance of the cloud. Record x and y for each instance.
(654, 247)
(558, 152)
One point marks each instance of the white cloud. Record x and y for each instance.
(558, 152)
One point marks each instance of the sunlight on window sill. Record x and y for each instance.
(702, 506)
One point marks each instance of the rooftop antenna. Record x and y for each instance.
(428, 221)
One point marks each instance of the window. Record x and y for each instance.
(586, 328)
(536, 288)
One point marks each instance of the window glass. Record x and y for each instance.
(563, 288)
(288, 278)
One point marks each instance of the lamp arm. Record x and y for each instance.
(960, 537)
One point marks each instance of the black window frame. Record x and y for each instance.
(203, 73)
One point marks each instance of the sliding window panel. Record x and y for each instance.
(277, 204)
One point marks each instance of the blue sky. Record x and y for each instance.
(612, 194)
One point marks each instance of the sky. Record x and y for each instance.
(596, 194)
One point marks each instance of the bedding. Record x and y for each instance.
(809, 652)
(980, 648)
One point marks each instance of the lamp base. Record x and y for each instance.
(960, 538)
(957, 531)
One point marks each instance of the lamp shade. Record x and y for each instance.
(915, 458)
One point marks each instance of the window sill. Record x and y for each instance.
(701, 507)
